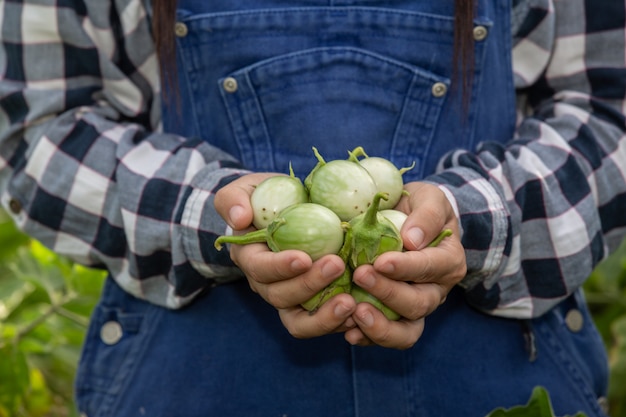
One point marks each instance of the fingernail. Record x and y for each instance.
(342, 311)
(415, 236)
(386, 268)
(235, 213)
(367, 281)
(367, 319)
(297, 266)
(331, 270)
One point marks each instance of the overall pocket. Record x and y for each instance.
(334, 98)
(268, 84)
(120, 329)
(568, 336)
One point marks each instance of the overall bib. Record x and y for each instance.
(266, 80)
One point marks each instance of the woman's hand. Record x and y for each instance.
(285, 279)
(415, 282)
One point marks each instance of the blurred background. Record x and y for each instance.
(46, 301)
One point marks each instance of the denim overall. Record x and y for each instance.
(267, 80)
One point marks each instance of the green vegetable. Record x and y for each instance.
(308, 227)
(387, 177)
(343, 186)
(396, 217)
(348, 214)
(341, 285)
(275, 194)
(372, 234)
(360, 295)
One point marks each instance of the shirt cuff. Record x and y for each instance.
(199, 225)
(484, 220)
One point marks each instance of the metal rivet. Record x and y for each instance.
(180, 29)
(230, 84)
(439, 89)
(480, 33)
(15, 206)
(574, 320)
(111, 332)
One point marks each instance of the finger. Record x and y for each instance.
(376, 329)
(232, 201)
(430, 212)
(356, 337)
(334, 316)
(261, 264)
(411, 301)
(445, 264)
(285, 290)
(295, 291)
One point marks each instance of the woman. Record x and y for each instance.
(512, 113)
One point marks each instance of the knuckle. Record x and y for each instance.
(428, 269)
(297, 333)
(309, 285)
(325, 326)
(418, 309)
(435, 214)
(386, 293)
(274, 297)
(384, 338)
(407, 344)
(253, 285)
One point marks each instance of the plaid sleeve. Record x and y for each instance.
(541, 211)
(83, 167)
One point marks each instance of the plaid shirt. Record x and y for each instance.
(85, 169)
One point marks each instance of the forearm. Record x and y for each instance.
(538, 214)
(83, 165)
(539, 211)
(136, 203)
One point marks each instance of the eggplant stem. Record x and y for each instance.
(405, 169)
(318, 156)
(356, 153)
(441, 236)
(256, 236)
(370, 217)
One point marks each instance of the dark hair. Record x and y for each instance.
(164, 15)
(163, 20)
(464, 47)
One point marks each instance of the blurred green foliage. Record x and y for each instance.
(46, 302)
(539, 405)
(606, 296)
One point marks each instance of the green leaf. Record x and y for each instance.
(617, 381)
(14, 377)
(10, 237)
(539, 405)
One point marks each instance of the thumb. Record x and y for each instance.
(429, 212)
(232, 201)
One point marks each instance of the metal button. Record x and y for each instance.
(480, 33)
(439, 89)
(574, 320)
(180, 29)
(230, 84)
(111, 332)
(15, 206)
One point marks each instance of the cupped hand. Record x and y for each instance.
(414, 282)
(285, 279)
